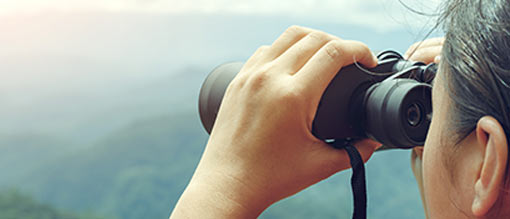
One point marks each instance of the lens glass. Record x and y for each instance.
(414, 114)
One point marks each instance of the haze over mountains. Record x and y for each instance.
(98, 111)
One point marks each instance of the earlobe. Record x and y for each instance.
(491, 137)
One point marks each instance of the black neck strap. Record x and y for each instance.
(359, 191)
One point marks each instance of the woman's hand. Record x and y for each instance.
(425, 51)
(261, 148)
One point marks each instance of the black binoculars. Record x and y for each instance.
(390, 103)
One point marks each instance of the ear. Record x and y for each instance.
(492, 140)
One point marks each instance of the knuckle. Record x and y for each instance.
(294, 30)
(236, 84)
(319, 35)
(334, 49)
(362, 47)
(259, 79)
(263, 48)
(289, 97)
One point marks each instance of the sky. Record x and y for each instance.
(91, 51)
(377, 14)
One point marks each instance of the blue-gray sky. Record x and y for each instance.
(377, 14)
(60, 58)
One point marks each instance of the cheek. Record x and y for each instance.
(436, 182)
(435, 176)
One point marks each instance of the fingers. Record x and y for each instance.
(416, 167)
(256, 57)
(297, 44)
(298, 54)
(318, 72)
(425, 51)
(438, 41)
(418, 151)
(437, 59)
(427, 54)
(288, 38)
(416, 158)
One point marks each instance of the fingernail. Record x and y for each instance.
(437, 59)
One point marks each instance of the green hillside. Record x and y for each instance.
(15, 205)
(135, 172)
(140, 171)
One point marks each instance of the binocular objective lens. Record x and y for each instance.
(414, 114)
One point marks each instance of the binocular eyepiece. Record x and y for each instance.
(390, 103)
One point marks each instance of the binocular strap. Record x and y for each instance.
(358, 184)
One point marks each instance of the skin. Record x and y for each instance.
(427, 51)
(262, 150)
(463, 180)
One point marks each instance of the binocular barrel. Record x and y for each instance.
(390, 103)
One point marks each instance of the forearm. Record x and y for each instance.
(211, 197)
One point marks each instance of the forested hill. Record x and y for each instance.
(140, 171)
(136, 172)
(15, 205)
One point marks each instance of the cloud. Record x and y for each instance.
(377, 14)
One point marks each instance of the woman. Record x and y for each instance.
(259, 154)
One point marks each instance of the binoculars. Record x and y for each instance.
(390, 103)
